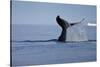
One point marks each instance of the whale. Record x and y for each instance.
(64, 26)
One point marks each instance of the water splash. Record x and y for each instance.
(77, 33)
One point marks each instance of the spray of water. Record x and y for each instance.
(77, 32)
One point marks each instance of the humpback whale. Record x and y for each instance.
(64, 26)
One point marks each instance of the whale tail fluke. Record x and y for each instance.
(77, 22)
(64, 25)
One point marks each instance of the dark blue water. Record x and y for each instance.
(33, 45)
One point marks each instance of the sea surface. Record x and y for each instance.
(37, 45)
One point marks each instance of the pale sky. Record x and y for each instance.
(45, 13)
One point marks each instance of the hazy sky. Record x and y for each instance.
(45, 13)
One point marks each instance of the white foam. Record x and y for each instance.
(91, 24)
(77, 33)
